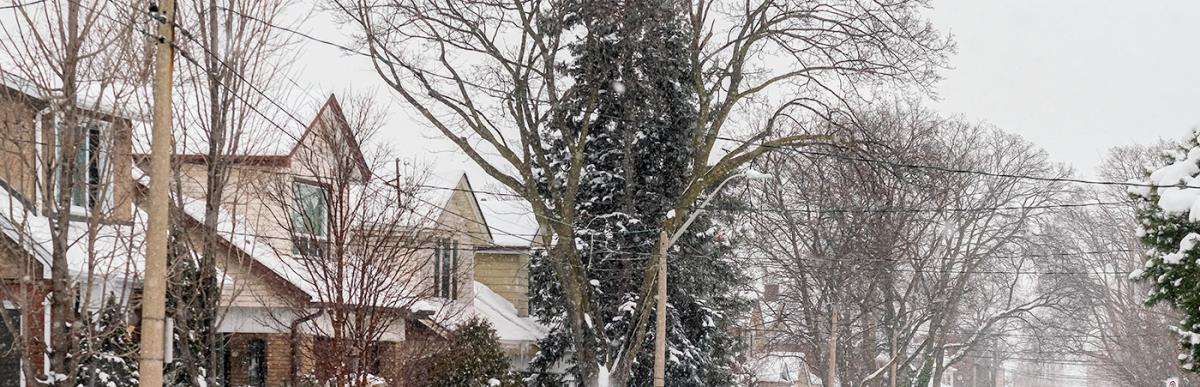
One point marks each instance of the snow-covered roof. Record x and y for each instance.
(269, 142)
(510, 326)
(117, 253)
(510, 220)
(241, 235)
(108, 97)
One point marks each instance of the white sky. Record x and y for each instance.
(1073, 76)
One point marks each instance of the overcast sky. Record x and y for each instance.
(1073, 76)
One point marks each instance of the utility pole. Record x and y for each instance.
(660, 315)
(665, 241)
(154, 290)
(831, 364)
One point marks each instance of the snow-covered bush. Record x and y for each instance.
(472, 358)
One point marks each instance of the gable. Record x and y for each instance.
(330, 128)
(461, 213)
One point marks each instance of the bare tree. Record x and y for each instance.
(1109, 328)
(888, 275)
(487, 75)
(82, 62)
(361, 242)
(232, 69)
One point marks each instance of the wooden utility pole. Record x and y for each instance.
(831, 373)
(660, 315)
(154, 290)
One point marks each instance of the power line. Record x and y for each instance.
(898, 164)
(19, 5)
(808, 152)
(853, 210)
(1070, 205)
(299, 33)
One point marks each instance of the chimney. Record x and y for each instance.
(771, 292)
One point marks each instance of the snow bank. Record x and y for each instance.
(509, 325)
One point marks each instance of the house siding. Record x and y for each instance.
(507, 274)
(19, 148)
(17, 145)
(460, 220)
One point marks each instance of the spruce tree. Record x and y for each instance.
(1170, 220)
(110, 354)
(183, 307)
(632, 69)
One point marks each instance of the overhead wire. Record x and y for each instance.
(527, 237)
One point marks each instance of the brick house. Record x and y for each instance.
(101, 215)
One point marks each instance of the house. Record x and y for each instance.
(770, 361)
(273, 224)
(100, 214)
(501, 273)
(277, 310)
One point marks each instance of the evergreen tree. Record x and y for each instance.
(183, 307)
(472, 358)
(632, 70)
(1170, 232)
(110, 353)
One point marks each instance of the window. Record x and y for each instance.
(309, 214)
(309, 219)
(771, 292)
(445, 268)
(89, 188)
(256, 363)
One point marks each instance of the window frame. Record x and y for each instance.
(96, 194)
(445, 268)
(306, 243)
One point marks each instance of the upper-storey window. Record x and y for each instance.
(310, 218)
(90, 188)
(445, 268)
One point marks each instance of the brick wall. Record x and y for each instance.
(278, 358)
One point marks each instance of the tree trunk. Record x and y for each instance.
(209, 292)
